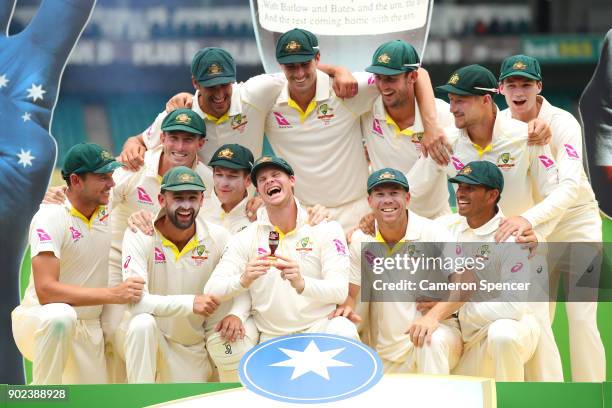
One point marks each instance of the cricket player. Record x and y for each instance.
(481, 133)
(407, 340)
(166, 332)
(288, 274)
(57, 326)
(231, 165)
(502, 335)
(232, 112)
(393, 128)
(521, 84)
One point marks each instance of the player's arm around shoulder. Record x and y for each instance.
(367, 92)
(261, 91)
(224, 282)
(334, 259)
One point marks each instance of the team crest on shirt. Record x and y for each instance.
(199, 254)
(239, 122)
(304, 245)
(572, 154)
(325, 113)
(75, 234)
(483, 252)
(103, 215)
(376, 129)
(160, 257)
(143, 197)
(505, 161)
(281, 121)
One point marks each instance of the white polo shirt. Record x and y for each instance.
(173, 278)
(233, 221)
(566, 147)
(138, 190)
(395, 317)
(277, 308)
(323, 144)
(243, 123)
(80, 244)
(527, 171)
(508, 261)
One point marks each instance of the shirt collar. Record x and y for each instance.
(413, 230)
(322, 92)
(216, 203)
(484, 230)
(77, 214)
(234, 109)
(302, 216)
(201, 233)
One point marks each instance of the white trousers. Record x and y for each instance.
(150, 356)
(62, 348)
(503, 352)
(438, 357)
(340, 326)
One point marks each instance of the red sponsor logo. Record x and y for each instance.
(369, 257)
(546, 161)
(571, 152)
(127, 262)
(517, 267)
(457, 163)
(340, 247)
(159, 255)
(280, 120)
(42, 235)
(76, 234)
(376, 127)
(143, 197)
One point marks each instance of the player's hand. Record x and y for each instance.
(539, 133)
(366, 224)
(254, 269)
(345, 311)
(290, 270)
(252, 206)
(528, 240)
(179, 101)
(55, 195)
(129, 291)
(344, 84)
(205, 305)
(133, 154)
(230, 328)
(421, 330)
(423, 305)
(435, 144)
(515, 226)
(317, 214)
(141, 221)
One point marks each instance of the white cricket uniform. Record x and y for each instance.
(527, 171)
(164, 339)
(324, 146)
(133, 191)
(277, 308)
(504, 338)
(243, 123)
(65, 343)
(390, 146)
(391, 319)
(233, 221)
(580, 222)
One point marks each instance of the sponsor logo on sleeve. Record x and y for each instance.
(571, 152)
(281, 121)
(517, 267)
(457, 163)
(143, 196)
(340, 247)
(546, 161)
(160, 257)
(43, 236)
(127, 262)
(376, 129)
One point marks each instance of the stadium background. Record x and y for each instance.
(135, 54)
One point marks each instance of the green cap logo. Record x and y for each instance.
(384, 58)
(293, 46)
(453, 79)
(214, 69)
(519, 65)
(386, 176)
(466, 170)
(225, 154)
